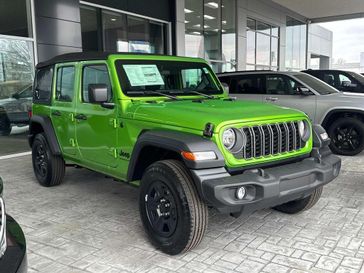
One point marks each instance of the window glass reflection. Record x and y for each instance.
(228, 35)
(16, 79)
(262, 45)
(295, 45)
(89, 29)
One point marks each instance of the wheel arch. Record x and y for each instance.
(337, 113)
(155, 145)
(42, 124)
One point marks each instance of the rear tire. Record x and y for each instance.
(5, 126)
(300, 205)
(48, 168)
(347, 136)
(172, 213)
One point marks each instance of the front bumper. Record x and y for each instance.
(267, 187)
(14, 259)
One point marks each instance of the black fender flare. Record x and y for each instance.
(176, 142)
(46, 124)
(336, 111)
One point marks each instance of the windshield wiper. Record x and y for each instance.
(186, 91)
(149, 92)
(201, 94)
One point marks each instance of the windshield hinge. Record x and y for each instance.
(113, 152)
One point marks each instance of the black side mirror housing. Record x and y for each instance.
(98, 93)
(16, 96)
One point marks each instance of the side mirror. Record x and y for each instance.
(304, 91)
(16, 96)
(226, 87)
(97, 93)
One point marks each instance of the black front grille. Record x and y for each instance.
(270, 139)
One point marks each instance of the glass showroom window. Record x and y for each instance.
(115, 31)
(262, 45)
(16, 74)
(210, 32)
(295, 45)
(228, 35)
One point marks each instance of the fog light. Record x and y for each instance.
(240, 193)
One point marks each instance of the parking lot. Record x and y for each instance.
(91, 224)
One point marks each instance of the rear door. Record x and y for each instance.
(63, 107)
(283, 90)
(96, 129)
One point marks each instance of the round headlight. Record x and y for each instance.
(229, 138)
(304, 130)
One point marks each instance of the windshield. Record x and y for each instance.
(319, 86)
(358, 77)
(140, 77)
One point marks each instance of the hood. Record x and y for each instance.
(195, 115)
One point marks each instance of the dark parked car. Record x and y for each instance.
(15, 110)
(344, 81)
(13, 257)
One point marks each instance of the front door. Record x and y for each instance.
(62, 110)
(96, 130)
(283, 90)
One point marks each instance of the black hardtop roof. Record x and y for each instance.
(85, 56)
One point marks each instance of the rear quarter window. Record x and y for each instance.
(43, 85)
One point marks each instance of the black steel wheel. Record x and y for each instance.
(48, 168)
(5, 126)
(171, 210)
(160, 206)
(347, 136)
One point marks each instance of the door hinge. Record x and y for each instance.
(72, 117)
(72, 142)
(114, 123)
(114, 152)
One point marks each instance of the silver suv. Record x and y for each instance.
(341, 114)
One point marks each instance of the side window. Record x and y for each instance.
(43, 85)
(281, 85)
(95, 74)
(248, 84)
(329, 78)
(347, 83)
(65, 83)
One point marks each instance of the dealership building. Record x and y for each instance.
(230, 34)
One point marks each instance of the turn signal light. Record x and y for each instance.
(199, 156)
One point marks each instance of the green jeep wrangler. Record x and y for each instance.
(167, 125)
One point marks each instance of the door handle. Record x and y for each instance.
(272, 99)
(81, 117)
(56, 113)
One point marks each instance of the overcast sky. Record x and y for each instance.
(348, 39)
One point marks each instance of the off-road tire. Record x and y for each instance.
(52, 172)
(335, 144)
(190, 212)
(300, 205)
(5, 125)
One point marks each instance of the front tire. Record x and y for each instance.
(300, 205)
(5, 126)
(347, 136)
(172, 213)
(48, 168)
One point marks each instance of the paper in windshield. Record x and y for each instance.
(143, 74)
